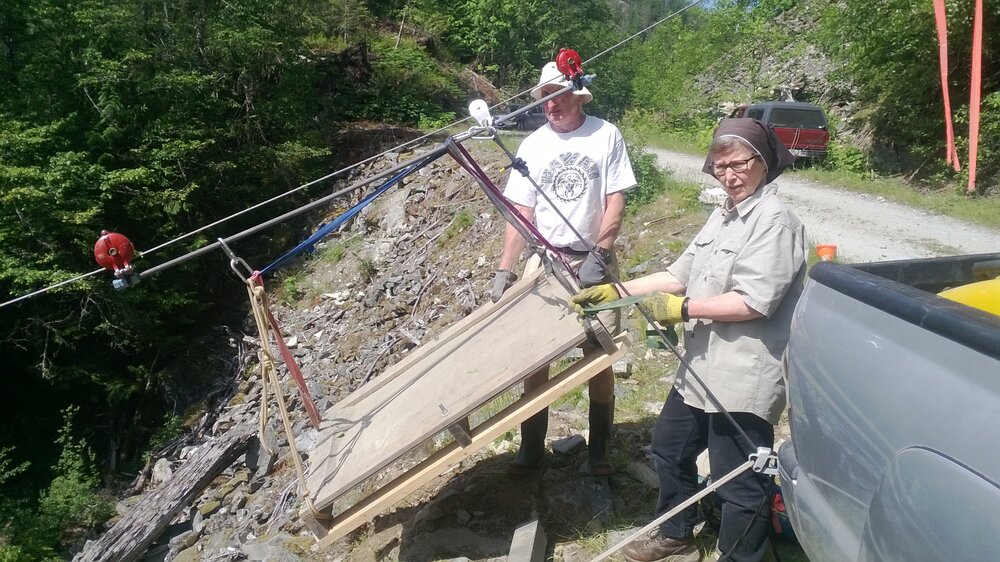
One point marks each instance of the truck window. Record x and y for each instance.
(797, 118)
(756, 113)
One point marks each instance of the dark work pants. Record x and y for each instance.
(681, 434)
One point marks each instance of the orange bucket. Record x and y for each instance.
(826, 252)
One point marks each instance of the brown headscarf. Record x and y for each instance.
(759, 136)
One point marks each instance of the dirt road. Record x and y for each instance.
(864, 227)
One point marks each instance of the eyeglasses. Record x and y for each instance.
(738, 166)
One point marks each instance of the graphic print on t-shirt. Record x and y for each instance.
(569, 176)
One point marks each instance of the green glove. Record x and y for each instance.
(666, 308)
(598, 294)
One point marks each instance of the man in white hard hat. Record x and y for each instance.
(581, 164)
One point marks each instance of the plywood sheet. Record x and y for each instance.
(329, 530)
(470, 364)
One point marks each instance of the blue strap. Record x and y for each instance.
(309, 244)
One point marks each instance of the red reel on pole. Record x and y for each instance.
(115, 252)
(568, 62)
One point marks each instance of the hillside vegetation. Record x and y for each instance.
(153, 119)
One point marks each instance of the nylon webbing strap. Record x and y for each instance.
(527, 230)
(308, 245)
(256, 280)
(270, 383)
(620, 303)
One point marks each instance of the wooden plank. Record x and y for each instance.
(482, 435)
(442, 387)
(461, 432)
(512, 294)
(129, 538)
(509, 299)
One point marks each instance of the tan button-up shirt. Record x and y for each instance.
(756, 248)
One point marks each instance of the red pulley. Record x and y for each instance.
(569, 63)
(114, 251)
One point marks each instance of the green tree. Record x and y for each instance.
(889, 49)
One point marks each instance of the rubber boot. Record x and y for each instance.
(602, 416)
(529, 455)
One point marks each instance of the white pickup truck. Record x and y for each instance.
(894, 397)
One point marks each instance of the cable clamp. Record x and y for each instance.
(481, 133)
(765, 461)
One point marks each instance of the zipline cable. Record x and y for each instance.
(638, 33)
(294, 212)
(331, 175)
(520, 166)
(51, 287)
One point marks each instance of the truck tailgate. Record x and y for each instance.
(877, 369)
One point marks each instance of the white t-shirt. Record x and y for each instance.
(577, 170)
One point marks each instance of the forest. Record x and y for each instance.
(157, 118)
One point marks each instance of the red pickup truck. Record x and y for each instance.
(801, 126)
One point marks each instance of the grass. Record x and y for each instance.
(334, 253)
(463, 219)
(946, 201)
(678, 143)
(650, 385)
(367, 269)
(290, 289)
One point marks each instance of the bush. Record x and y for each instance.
(846, 158)
(70, 503)
(71, 500)
(650, 181)
(987, 167)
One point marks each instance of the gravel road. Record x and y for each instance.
(864, 227)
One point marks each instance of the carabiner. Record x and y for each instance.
(235, 260)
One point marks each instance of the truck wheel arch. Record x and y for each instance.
(925, 501)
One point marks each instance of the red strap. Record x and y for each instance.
(286, 355)
(974, 96)
(940, 17)
(777, 506)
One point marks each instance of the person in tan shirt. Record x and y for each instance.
(734, 288)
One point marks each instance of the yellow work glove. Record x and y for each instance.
(598, 294)
(666, 308)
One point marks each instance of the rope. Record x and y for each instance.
(257, 280)
(684, 505)
(286, 216)
(521, 167)
(269, 378)
(638, 33)
(50, 287)
(525, 228)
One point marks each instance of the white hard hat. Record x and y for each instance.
(551, 75)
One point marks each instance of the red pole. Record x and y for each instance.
(974, 96)
(941, 18)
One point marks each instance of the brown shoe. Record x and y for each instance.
(655, 548)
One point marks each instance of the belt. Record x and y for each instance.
(571, 251)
